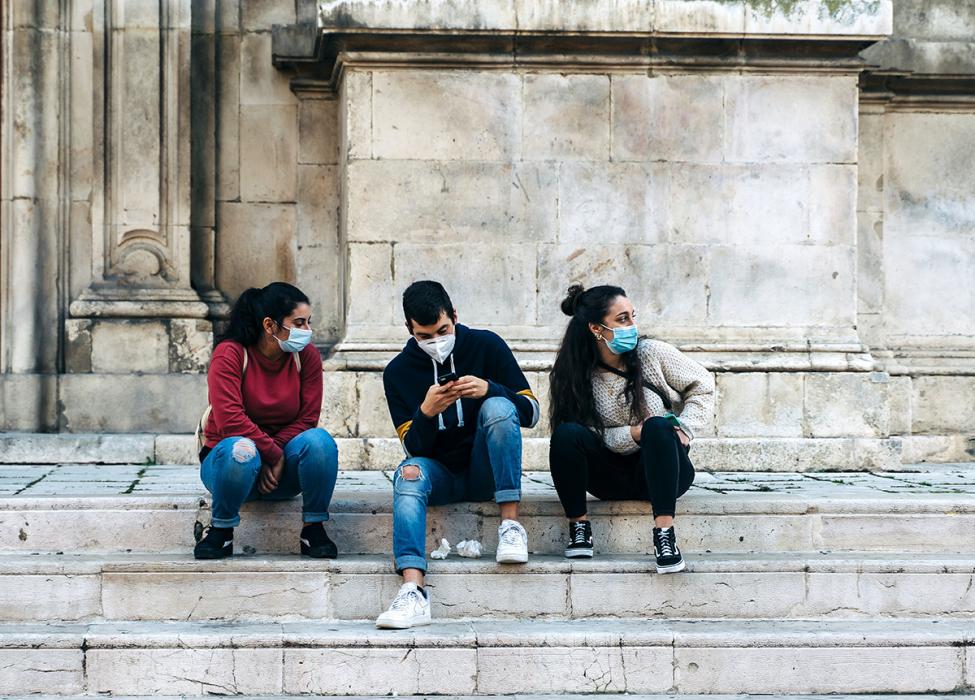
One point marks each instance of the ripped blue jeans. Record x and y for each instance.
(311, 465)
(495, 472)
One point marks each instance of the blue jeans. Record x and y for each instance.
(495, 471)
(311, 465)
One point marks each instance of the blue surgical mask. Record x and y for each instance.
(298, 339)
(624, 339)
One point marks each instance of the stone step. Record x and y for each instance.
(40, 588)
(564, 696)
(933, 512)
(490, 657)
(380, 453)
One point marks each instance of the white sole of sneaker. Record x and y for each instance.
(673, 569)
(513, 558)
(578, 553)
(393, 625)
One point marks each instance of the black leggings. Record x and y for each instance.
(660, 471)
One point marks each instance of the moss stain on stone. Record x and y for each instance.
(837, 9)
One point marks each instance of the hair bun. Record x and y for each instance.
(571, 301)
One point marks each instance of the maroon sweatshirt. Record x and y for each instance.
(271, 405)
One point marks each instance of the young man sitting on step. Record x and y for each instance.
(459, 401)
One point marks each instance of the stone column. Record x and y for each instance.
(136, 315)
(141, 213)
(33, 215)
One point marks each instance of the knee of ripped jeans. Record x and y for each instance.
(243, 451)
(410, 472)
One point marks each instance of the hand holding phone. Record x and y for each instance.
(446, 378)
(437, 400)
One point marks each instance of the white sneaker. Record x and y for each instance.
(408, 609)
(512, 543)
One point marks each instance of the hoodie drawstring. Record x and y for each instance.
(460, 406)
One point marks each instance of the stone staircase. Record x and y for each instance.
(797, 584)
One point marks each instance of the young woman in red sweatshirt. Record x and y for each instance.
(261, 439)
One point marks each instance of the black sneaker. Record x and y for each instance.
(217, 543)
(580, 540)
(665, 549)
(315, 542)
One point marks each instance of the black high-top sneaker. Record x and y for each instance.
(316, 543)
(665, 549)
(217, 543)
(580, 540)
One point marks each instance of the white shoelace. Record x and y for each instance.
(579, 534)
(511, 533)
(666, 545)
(404, 599)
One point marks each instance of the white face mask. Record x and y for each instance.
(438, 347)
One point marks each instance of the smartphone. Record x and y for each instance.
(446, 378)
(674, 420)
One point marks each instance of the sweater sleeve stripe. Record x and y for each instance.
(536, 410)
(401, 430)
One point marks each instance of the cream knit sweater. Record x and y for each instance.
(688, 385)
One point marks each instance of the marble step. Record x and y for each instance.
(747, 454)
(47, 587)
(86, 508)
(491, 658)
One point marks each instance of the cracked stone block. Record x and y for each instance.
(28, 671)
(368, 671)
(817, 670)
(184, 671)
(609, 594)
(875, 594)
(573, 670)
(215, 596)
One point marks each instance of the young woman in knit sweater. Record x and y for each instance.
(624, 410)
(261, 439)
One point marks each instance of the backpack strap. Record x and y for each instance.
(668, 404)
(201, 426)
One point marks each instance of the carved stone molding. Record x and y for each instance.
(141, 198)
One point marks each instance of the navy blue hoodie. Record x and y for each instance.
(409, 376)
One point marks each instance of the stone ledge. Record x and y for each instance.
(522, 633)
(727, 454)
(156, 508)
(848, 18)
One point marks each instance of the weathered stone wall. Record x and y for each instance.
(806, 238)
